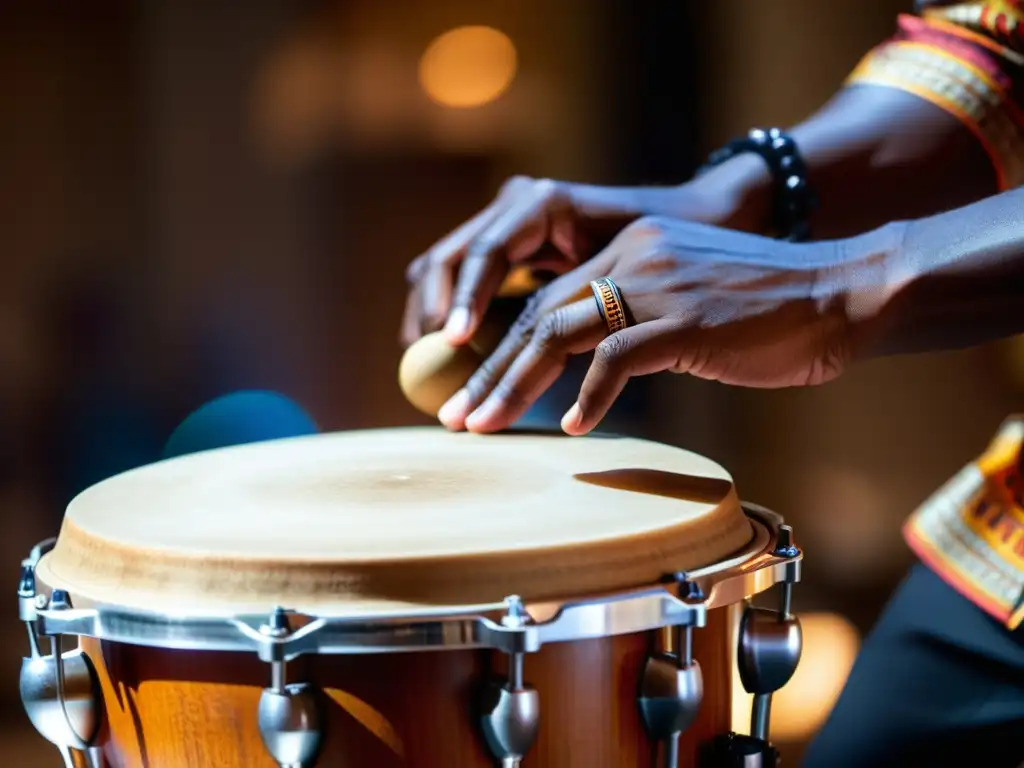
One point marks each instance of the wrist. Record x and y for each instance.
(864, 280)
(629, 203)
(735, 195)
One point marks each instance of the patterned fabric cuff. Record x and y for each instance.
(971, 532)
(961, 72)
(1000, 21)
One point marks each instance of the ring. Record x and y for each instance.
(609, 302)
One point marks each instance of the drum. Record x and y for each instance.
(410, 597)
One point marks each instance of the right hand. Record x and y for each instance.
(538, 223)
(710, 302)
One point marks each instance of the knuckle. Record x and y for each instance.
(610, 350)
(547, 189)
(544, 190)
(535, 302)
(414, 272)
(465, 293)
(550, 330)
(524, 324)
(509, 394)
(482, 247)
(653, 261)
(480, 383)
(515, 184)
(648, 226)
(432, 259)
(647, 245)
(441, 258)
(554, 196)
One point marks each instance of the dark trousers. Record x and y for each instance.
(937, 682)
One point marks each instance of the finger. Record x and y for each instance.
(516, 234)
(636, 351)
(569, 330)
(414, 272)
(411, 329)
(454, 412)
(460, 237)
(437, 273)
(566, 289)
(481, 274)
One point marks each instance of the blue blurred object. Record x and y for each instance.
(241, 417)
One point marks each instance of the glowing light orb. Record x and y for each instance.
(799, 709)
(468, 67)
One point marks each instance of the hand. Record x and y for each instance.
(548, 225)
(718, 304)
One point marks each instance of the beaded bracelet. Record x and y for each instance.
(794, 199)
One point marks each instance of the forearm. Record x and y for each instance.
(952, 280)
(620, 205)
(608, 209)
(874, 155)
(929, 120)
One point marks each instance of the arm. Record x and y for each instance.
(954, 280)
(926, 122)
(751, 311)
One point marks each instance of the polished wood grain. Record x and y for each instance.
(183, 709)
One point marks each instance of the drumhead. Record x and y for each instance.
(378, 519)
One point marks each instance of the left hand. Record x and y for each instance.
(718, 304)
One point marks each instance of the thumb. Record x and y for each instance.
(637, 351)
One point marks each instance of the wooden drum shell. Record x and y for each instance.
(194, 709)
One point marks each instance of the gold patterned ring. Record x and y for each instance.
(609, 302)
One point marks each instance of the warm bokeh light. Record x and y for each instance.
(830, 646)
(468, 66)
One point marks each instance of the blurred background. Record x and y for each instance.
(201, 197)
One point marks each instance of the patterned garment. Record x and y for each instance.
(971, 531)
(998, 19)
(967, 58)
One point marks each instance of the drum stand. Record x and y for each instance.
(770, 644)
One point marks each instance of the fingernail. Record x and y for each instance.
(572, 419)
(481, 414)
(454, 411)
(457, 327)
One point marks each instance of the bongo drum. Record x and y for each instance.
(410, 597)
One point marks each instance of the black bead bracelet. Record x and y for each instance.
(794, 199)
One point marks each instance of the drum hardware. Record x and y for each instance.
(770, 647)
(754, 569)
(671, 685)
(291, 718)
(511, 709)
(59, 690)
(770, 644)
(734, 750)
